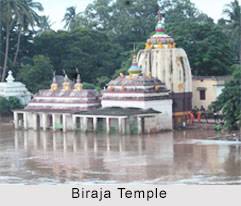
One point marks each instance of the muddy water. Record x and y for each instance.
(182, 157)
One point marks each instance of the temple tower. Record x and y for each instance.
(161, 59)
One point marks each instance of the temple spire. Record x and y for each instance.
(160, 39)
(78, 85)
(54, 85)
(10, 77)
(66, 84)
(134, 68)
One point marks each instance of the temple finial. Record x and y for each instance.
(160, 15)
(10, 77)
(65, 75)
(54, 76)
(78, 86)
(66, 84)
(54, 85)
(78, 80)
(134, 47)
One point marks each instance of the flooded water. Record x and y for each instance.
(182, 157)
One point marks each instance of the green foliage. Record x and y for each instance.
(14, 103)
(206, 45)
(18, 16)
(205, 42)
(90, 51)
(99, 40)
(102, 81)
(4, 106)
(232, 26)
(7, 105)
(229, 102)
(70, 18)
(38, 74)
(88, 85)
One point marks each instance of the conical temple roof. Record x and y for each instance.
(134, 68)
(160, 39)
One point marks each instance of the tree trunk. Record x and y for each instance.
(17, 49)
(6, 54)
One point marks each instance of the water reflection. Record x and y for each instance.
(45, 157)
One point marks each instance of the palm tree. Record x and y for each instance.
(233, 11)
(70, 18)
(16, 14)
(27, 17)
(45, 24)
(8, 10)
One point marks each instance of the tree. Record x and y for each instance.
(14, 103)
(9, 104)
(70, 18)
(37, 75)
(26, 18)
(90, 51)
(229, 102)
(233, 27)
(44, 25)
(129, 22)
(206, 45)
(13, 13)
(126, 22)
(4, 106)
(7, 10)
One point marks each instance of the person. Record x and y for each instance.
(199, 116)
(215, 116)
(194, 111)
(203, 113)
(191, 117)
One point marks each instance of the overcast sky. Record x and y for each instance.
(55, 9)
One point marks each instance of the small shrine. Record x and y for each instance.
(12, 88)
(53, 108)
(134, 103)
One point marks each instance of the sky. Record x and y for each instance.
(55, 9)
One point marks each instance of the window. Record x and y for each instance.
(202, 94)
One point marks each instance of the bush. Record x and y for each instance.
(37, 75)
(4, 106)
(88, 86)
(14, 103)
(7, 105)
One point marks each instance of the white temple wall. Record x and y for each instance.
(69, 122)
(31, 120)
(157, 124)
(171, 66)
(163, 106)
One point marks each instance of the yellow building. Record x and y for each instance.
(206, 89)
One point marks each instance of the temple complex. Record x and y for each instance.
(163, 60)
(11, 88)
(155, 95)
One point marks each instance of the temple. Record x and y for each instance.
(53, 108)
(154, 96)
(131, 104)
(163, 60)
(11, 88)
